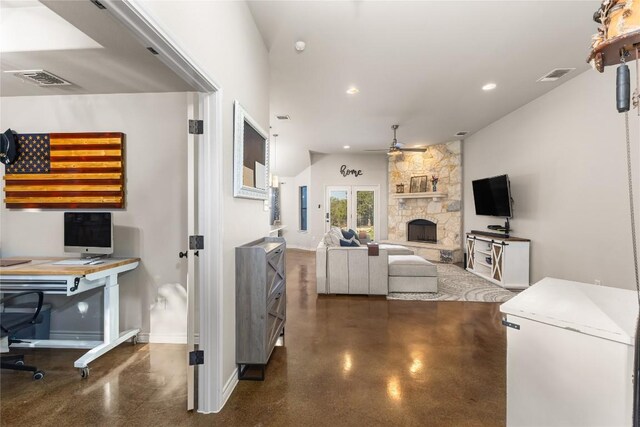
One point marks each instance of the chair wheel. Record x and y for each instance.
(20, 362)
(84, 372)
(38, 375)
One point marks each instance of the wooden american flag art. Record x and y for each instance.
(66, 170)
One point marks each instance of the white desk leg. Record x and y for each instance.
(111, 309)
(111, 326)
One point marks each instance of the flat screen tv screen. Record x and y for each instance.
(492, 196)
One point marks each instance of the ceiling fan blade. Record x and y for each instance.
(379, 150)
(416, 150)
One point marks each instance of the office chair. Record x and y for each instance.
(10, 325)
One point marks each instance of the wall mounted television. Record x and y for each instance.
(492, 196)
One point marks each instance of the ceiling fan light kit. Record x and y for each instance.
(396, 147)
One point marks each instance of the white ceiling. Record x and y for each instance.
(418, 64)
(114, 63)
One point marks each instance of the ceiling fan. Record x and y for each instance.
(396, 147)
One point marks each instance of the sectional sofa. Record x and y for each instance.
(351, 270)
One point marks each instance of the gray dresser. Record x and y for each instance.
(260, 303)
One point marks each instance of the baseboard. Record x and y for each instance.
(228, 388)
(299, 248)
(165, 338)
(76, 335)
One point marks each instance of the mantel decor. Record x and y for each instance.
(418, 184)
(250, 157)
(400, 188)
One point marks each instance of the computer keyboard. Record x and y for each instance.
(74, 262)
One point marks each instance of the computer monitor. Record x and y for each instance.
(88, 233)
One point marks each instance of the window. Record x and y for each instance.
(303, 208)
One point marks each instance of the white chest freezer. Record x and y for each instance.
(570, 351)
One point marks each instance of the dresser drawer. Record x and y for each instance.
(276, 316)
(275, 271)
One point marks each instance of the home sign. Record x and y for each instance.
(347, 172)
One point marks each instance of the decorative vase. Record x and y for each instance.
(434, 186)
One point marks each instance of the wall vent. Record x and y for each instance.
(40, 77)
(461, 133)
(554, 75)
(283, 117)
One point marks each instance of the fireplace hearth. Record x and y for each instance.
(422, 230)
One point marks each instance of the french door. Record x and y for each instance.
(356, 207)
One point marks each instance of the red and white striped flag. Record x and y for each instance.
(66, 170)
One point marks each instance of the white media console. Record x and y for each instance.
(501, 260)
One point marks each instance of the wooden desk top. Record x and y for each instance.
(43, 266)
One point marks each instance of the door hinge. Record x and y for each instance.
(196, 127)
(196, 242)
(510, 324)
(196, 357)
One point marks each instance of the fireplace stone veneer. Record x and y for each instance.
(445, 162)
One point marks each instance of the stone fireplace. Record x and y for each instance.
(430, 223)
(422, 230)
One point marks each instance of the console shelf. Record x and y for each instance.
(260, 303)
(509, 266)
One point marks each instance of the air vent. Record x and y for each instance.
(285, 117)
(554, 75)
(40, 77)
(461, 133)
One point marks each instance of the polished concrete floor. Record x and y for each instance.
(348, 360)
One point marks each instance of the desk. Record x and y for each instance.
(42, 275)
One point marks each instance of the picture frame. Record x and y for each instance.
(250, 156)
(418, 184)
(424, 183)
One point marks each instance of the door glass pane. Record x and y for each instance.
(365, 212)
(338, 208)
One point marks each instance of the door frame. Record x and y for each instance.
(327, 204)
(376, 206)
(212, 393)
(352, 205)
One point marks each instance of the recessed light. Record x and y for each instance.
(489, 86)
(346, 147)
(353, 90)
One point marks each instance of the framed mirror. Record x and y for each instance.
(250, 157)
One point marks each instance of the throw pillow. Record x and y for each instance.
(348, 234)
(349, 243)
(330, 240)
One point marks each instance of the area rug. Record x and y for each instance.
(457, 284)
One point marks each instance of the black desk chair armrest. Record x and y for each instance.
(40, 300)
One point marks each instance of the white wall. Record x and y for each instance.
(152, 226)
(323, 172)
(223, 40)
(565, 156)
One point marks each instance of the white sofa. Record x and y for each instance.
(350, 270)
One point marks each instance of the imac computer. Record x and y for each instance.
(88, 233)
